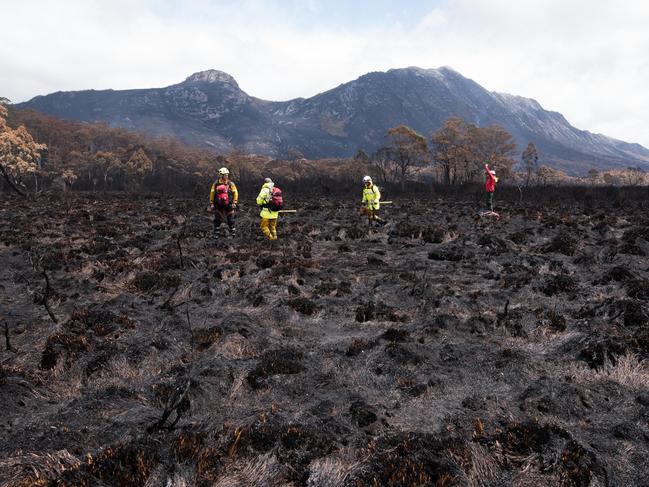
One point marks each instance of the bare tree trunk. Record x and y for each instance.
(9, 180)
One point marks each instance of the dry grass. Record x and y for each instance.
(629, 370)
(66, 383)
(361, 378)
(31, 469)
(236, 347)
(121, 373)
(541, 341)
(330, 472)
(262, 471)
(481, 470)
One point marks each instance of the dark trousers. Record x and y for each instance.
(490, 200)
(222, 216)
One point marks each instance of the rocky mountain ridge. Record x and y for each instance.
(210, 109)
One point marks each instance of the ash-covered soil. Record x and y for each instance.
(439, 350)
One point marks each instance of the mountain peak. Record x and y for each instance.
(212, 76)
(441, 72)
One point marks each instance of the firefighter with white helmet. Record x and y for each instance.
(371, 202)
(224, 199)
(270, 200)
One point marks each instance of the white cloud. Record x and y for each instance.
(585, 59)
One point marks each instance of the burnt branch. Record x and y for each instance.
(46, 296)
(7, 342)
(177, 402)
(44, 300)
(180, 253)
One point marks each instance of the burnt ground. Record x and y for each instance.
(439, 350)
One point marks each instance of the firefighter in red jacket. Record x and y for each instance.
(490, 186)
(224, 199)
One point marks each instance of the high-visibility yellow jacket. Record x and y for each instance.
(263, 198)
(231, 186)
(371, 197)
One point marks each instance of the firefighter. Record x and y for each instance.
(224, 198)
(270, 200)
(371, 202)
(490, 185)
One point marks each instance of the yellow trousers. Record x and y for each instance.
(269, 227)
(372, 214)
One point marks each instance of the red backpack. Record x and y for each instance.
(222, 199)
(276, 201)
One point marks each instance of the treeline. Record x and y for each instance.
(97, 157)
(455, 154)
(83, 156)
(41, 152)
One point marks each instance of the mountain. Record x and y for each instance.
(209, 109)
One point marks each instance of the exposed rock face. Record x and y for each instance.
(209, 109)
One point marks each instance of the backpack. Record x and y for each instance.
(276, 201)
(222, 199)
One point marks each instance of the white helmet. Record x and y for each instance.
(367, 179)
(224, 171)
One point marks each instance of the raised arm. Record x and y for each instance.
(488, 171)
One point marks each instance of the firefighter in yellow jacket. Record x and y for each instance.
(270, 200)
(371, 202)
(224, 198)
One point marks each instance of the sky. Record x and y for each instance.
(588, 60)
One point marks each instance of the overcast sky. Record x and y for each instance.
(588, 59)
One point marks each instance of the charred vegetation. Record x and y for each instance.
(440, 350)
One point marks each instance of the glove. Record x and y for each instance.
(211, 207)
(234, 206)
